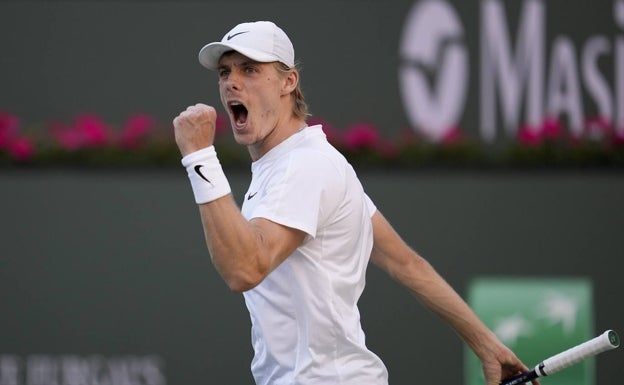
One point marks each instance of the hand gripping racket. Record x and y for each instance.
(606, 341)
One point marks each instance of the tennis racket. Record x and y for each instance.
(606, 341)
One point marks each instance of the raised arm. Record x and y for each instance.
(242, 251)
(404, 265)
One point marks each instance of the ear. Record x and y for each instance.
(290, 82)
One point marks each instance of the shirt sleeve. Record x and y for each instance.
(301, 190)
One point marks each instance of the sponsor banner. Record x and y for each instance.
(509, 56)
(536, 318)
(41, 369)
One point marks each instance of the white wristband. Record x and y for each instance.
(206, 175)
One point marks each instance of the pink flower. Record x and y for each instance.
(67, 137)
(9, 125)
(551, 129)
(361, 136)
(21, 149)
(136, 129)
(529, 136)
(93, 130)
(88, 131)
(453, 136)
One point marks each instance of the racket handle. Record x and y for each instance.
(606, 341)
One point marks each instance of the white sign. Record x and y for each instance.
(517, 73)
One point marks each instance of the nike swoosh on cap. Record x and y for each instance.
(230, 37)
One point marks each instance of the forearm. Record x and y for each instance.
(498, 362)
(438, 296)
(408, 268)
(411, 270)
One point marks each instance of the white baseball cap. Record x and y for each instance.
(262, 41)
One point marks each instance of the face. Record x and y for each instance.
(254, 95)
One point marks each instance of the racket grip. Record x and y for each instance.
(606, 341)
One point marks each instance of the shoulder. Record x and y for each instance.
(315, 152)
(307, 154)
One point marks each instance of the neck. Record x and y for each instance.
(280, 133)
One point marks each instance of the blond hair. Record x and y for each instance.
(300, 107)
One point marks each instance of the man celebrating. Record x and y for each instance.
(299, 247)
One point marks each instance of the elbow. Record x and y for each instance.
(241, 273)
(240, 286)
(244, 281)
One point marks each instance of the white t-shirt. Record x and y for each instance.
(305, 321)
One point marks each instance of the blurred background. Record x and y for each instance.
(489, 132)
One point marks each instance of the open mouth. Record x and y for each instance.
(239, 113)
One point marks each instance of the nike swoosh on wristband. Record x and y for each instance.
(230, 37)
(198, 171)
(251, 195)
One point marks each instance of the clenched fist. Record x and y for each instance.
(195, 128)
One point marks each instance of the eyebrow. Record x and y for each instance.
(241, 64)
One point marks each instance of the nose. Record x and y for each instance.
(232, 82)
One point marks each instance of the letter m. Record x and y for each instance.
(511, 73)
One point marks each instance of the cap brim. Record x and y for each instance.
(210, 54)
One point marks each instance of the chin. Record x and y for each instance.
(244, 139)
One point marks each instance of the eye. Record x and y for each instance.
(250, 70)
(223, 73)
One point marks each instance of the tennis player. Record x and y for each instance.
(299, 247)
